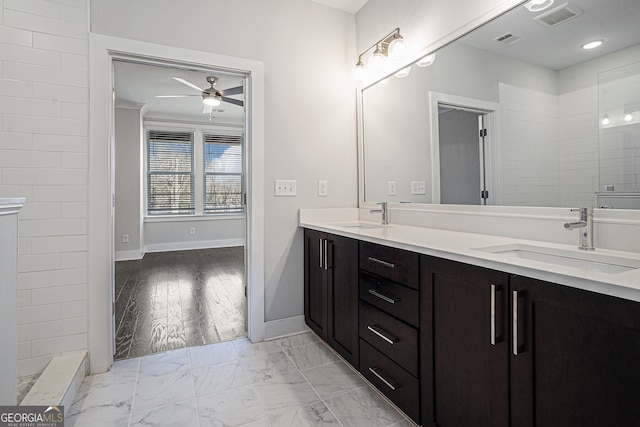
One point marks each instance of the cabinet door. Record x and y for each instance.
(315, 282)
(577, 360)
(465, 352)
(342, 308)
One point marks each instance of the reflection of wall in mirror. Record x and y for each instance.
(567, 176)
(619, 100)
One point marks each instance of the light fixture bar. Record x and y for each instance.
(381, 46)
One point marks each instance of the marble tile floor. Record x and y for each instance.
(25, 384)
(292, 381)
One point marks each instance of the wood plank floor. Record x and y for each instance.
(179, 299)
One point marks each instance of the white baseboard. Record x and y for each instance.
(283, 327)
(184, 246)
(128, 255)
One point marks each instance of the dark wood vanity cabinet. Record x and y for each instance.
(464, 345)
(389, 320)
(331, 291)
(574, 357)
(500, 350)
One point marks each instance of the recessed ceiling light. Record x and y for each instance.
(538, 5)
(592, 45)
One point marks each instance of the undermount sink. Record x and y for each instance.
(363, 226)
(593, 261)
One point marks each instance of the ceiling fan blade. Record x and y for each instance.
(183, 81)
(175, 96)
(233, 101)
(232, 91)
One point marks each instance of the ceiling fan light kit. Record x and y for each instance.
(211, 97)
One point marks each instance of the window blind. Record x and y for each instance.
(223, 173)
(170, 176)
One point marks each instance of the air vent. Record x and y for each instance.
(507, 39)
(558, 15)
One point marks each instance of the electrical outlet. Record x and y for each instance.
(418, 187)
(192, 231)
(392, 188)
(285, 187)
(125, 238)
(323, 188)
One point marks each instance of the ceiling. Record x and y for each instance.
(137, 84)
(617, 22)
(351, 6)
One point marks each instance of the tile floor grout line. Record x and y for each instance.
(135, 388)
(312, 387)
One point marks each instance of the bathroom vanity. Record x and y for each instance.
(456, 333)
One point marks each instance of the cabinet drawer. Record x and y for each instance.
(395, 264)
(396, 383)
(396, 339)
(397, 300)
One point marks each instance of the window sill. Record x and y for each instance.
(190, 218)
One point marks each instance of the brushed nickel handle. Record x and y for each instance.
(515, 323)
(326, 262)
(373, 329)
(493, 314)
(379, 261)
(320, 251)
(383, 297)
(374, 371)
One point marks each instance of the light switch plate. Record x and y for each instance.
(323, 188)
(418, 187)
(392, 188)
(285, 187)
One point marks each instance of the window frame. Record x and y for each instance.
(148, 173)
(198, 167)
(234, 139)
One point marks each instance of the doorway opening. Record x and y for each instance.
(179, 178)
(464, 148)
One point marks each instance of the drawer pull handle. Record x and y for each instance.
(375, 293)
(374, 371)
(379, 261)
(516, 348)
(493, 314)
(373, 329)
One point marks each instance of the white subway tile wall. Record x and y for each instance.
(44, 157)
(529, 147)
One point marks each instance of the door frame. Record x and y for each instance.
(492, 141)
(102, 51)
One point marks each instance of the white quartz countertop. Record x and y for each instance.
(463, 247)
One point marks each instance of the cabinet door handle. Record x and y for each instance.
(321, 251)
(516, 348)
(326, 262)
(374, 371)
(493, 314)
(379, 261)
(377, 294)
(373, 329)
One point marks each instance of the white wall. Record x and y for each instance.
(128, 179)
(307, 50)
(43, 157)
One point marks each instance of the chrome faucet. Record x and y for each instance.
(383, 211)
(586, 228)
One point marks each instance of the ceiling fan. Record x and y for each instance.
(211, 97)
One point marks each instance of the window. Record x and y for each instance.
(223, 173)
(170, 174)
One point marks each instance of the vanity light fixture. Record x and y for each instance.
(606, 120)
(538, 5)
(404, 72)
(390, 45)
(628, 117)
(427, 60)
(592, 45)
